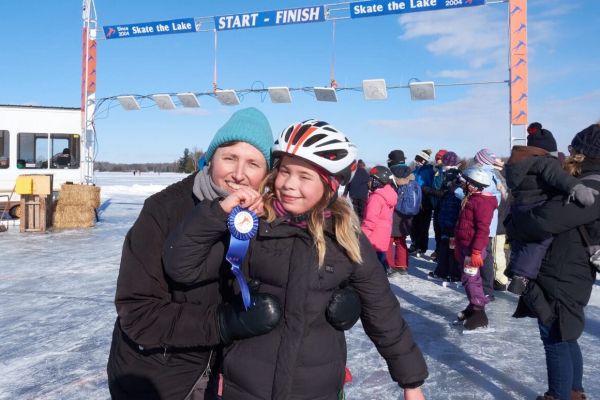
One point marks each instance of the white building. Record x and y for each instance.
(39, 140)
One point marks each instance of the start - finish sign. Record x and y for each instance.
(183, 25)
(270, 18)
(382, 7)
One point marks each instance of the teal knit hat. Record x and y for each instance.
(247, 125)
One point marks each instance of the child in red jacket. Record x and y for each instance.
(377, 225)
(471, 238)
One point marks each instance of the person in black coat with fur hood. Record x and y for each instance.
(558, 296)
(533, 175)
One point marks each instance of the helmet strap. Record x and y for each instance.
(330, 180)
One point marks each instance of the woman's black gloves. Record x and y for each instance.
(260, 318)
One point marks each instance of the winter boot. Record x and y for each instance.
(477, 319)
(433, 256)
(434, 276)
(517, 285)
(500, 287)
(464, 314)
(578, 395)
(546, 396)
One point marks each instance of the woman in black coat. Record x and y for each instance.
(165, 340)
(564, 285)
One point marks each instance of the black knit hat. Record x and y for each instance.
(587, 142)
(401, 171)
(540, 137)
(396, 157)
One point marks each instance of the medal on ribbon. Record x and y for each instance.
(243, 225)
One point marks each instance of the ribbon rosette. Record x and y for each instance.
(243, 225)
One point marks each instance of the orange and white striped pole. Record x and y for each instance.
(88, 91)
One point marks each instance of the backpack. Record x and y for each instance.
(409, 199)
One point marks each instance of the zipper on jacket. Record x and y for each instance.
(165, 355)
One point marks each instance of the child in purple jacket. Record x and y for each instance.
(471, 239)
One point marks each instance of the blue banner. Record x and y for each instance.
(183, 25)
(376, 8)
(270, 18)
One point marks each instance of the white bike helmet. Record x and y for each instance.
(477, 177)
(321, 144)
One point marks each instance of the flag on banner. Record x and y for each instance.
(88, 67)
(518, 62)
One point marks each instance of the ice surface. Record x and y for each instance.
(57, 315)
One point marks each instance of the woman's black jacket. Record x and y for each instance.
(164, 332)
(564, 283)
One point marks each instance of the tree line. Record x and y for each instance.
(187, 163)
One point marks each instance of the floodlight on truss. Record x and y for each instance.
(163, 101)
(188, 99)
(374, 89)
(129, 103)
(325, 94)
(280, 94)
(227, 97)
(422, 90)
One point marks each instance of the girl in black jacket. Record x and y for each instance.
(564, 284)
(308, 245)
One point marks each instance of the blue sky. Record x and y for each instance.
(41, 46)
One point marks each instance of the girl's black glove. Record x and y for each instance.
(343, 309)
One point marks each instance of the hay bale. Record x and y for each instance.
(79, 195)
(75, 206)
(73, 216)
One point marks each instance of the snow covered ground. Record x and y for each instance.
(57, 315)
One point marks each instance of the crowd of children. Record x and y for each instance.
(469, 202)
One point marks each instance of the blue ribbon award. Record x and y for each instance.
(243, 225)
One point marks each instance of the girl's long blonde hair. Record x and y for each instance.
(345, 222)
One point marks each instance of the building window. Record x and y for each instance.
(32, 150)
(65, 150)
(4, 149)
(40, 150)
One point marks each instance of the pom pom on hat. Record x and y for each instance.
(424, 154)
(540, 137)
(534, 128)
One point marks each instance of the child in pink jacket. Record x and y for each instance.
(377, 224)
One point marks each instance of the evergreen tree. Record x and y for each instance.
(183, 164)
